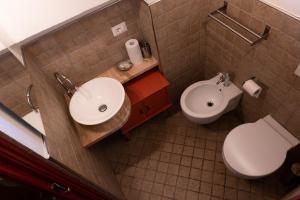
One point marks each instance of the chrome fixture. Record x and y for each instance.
(66, 83)
(29, 99)
(239, 29)
(224, 78)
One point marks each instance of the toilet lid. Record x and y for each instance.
(255, 149)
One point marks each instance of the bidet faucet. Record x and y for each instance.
(66, 83)
(224, 78)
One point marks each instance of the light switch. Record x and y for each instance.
(297, 72)
(119, 29)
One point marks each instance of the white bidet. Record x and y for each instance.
(205, 101)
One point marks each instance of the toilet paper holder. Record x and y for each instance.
(252, 87)
(251, 78)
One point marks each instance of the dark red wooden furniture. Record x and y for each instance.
(148, 94)
(22, 166)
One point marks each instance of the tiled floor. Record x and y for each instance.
(172, 158)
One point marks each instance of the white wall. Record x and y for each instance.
(290, 7)
(2, 47)
(25, 20)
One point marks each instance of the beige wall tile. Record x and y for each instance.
(178, 27)
(85, 48)
(272, 61)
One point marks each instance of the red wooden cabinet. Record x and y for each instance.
(148, 94)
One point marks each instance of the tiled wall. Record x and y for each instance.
(63, 145)
(80, 50)
(87, 47)
(272, 61)
(178, 27)
(14, 81)
(146, 27)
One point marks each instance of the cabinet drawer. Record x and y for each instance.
(149, 96)
(137, 116)
(156, 103)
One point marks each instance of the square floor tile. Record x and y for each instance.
(169, 157)
(188, 151)
(194, 185)
(186, 161)
(206, 188)
(169, 191)
(184, 171)
(160, 177)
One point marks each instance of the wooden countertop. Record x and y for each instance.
(125, 76)
(89, 135)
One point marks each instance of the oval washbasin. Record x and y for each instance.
(97, 101)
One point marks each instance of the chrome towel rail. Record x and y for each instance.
(255, 36)
(29, 99)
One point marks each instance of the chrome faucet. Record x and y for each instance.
(29, 99)
(224, 78)
(66, 83)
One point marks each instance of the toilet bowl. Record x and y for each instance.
(255, 150)
(205, 101)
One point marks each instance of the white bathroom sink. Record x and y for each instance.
(97, 101)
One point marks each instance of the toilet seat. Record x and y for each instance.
(255, 149)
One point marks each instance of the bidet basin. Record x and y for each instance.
(205, 101)
(97, 101)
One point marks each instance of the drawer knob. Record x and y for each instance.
(145, 109)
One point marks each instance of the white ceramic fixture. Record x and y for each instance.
(205, 101)
(255, 150)
(97, 101)
(35, 120)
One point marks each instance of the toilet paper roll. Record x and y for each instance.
(134, 51)
(252, 88)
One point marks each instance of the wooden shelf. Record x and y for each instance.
(135, 71)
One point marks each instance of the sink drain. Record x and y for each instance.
(102, 108)
(210, 104)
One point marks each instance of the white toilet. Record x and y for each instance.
(205, 101)
(255, 150)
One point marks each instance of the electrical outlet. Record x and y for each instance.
(297, 72)
(119, 29)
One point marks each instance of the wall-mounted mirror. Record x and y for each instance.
(19, 118)
(15, 80)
